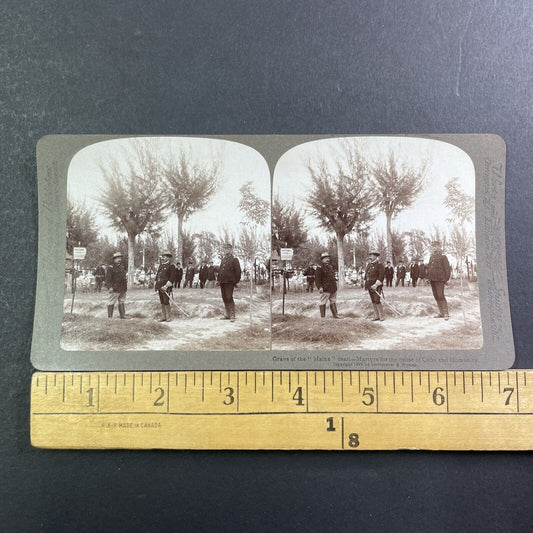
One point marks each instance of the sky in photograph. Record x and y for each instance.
(291, 179)
(241, 164)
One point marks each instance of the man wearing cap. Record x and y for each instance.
(439, 272)
(389, 274)
(327, 286)
(164, 280)
(229, 275)
(117, 282)
(400, 274)
(374, 274)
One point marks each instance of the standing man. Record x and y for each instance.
(327, 286)
(211, 275)
(309, 273)
(99, 276)
(374, 274)
(204, 270)
(189, 275)
(164, 280)
(117, 283)
(179, 275)
(439, 272)
(228, 277)
(414, 271)
(400, 274)
(389, 274)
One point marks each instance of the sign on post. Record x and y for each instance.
(79, 252)
(286, 254)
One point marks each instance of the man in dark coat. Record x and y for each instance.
(164, 281)
(179, 275)
(117, 282)
(99, 276)
(414, 271)
(400, 273)
(374, 274)
(211, 275)
(229, 275)
(309, 273)
(389, 274)
(189, 275)
(327, 286)
(204, 270)
(439, 272)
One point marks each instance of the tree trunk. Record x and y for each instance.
(389, 238)
(179, 252)
(340, 259)
(131, 258)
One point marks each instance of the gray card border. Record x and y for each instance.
(487, 151)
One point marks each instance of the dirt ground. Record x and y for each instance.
(412, 328)
(88, 328)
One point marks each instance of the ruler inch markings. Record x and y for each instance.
(54, 406)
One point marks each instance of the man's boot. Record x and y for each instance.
(445, 310)
(441, 314)
(110, 311)
(232, 311)
(322, 311)
(380, 312)
(333, 308)
(376, 312)
(163, 313)
(122, 311)
(169, 314)
(226, 316)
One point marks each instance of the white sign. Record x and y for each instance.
(286, 254)
(79, 252)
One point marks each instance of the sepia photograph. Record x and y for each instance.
(374, 246)
(167, 246)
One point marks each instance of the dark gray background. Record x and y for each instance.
(239, 67)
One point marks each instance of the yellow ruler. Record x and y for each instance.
(296, 410)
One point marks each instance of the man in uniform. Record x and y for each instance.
(400, 274)
(374, 274)
(229, 275)
(389, 274)
(309, 273)
(414, 271)
(439, 272)
(164, 281)
(189, 275)
(179, 275)
(327, 286)
(117, 283)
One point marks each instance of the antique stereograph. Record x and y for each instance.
(272, 252)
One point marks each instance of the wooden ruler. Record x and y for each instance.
(296, 410)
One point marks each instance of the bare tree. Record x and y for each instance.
(256, 212)
(132, 197)
(189, 183)
(461, 206)
(398, 185)
(288, 228)
(81, 226)
(341, 197)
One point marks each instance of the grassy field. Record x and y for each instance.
(415, 329)
(88, 328)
